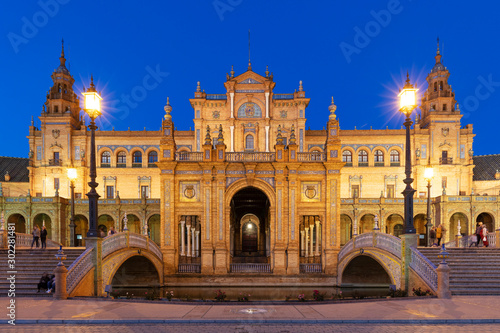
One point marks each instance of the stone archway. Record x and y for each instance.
(134, 224)
(366, 223)
(154, 226)
(394, 225)
(136, 275)
(419, 222)
(365, 270)
(345, 228)
(104, 222)
(19, 222)
(486, 219)
(454, 220)
(81, 229)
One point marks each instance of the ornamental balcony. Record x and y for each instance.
(55, 162)
(446, 160)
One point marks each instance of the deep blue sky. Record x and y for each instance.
(200, 40)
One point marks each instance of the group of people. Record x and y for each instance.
(481, 233)
(39, 234)
(102, 233)
(436, 234)
(47, 282)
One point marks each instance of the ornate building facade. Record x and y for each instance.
(250, 185)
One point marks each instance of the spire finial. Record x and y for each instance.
(220, 138)
(198, 88)
(279, 138)
(300, 86)
(438, 46)
(62, 59)
(168, 109)
(267, 71)
(249, 62)
(232, 71)
(438, 53)
(32, 121)
(208, 138)
(332, 109)
(292, 135)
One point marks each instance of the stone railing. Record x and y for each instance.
(25, 240)
(189, 156)
(492, 239)
(78, 269)
(250, 268)
(114, 243)
(123, 240)
(311, 157)
(389, 243)
(250, 157)
(189, 268)
(310, 268)
(424, 268)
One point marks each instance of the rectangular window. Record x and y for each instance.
(390, 191)
(38, 194)
(38, 153)
(355, 191)
(110, 192)
(144, 191)
(197, 140)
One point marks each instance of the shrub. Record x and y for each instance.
(220, 296)
(301, 298)
(398, 293)
(244, 297)
(317, 296)
(169, 295)
(420, 292)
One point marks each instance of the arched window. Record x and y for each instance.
(249, 142)
(152, 157)
(394, 157)
(379, 157)
(121, 159)
(440, 85)
(105, 158)
(347, 156)
(435, 86)
(137, 157)
(363, 157)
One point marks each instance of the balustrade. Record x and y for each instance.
(78, 269)
(250, 268)
(250, 157)
(310, 268)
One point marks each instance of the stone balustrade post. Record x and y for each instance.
(443, 273)
(61, 274)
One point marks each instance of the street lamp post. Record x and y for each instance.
(408, 102)
(72, 177)
(93, 109)
(428, 175)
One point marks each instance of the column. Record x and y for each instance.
(232, 104)
(183, 253)
(355, 226)
(231, 128)
(267, 105)
(267, 139)
(193, 253)
(301, 243)
(307, 240)
(312, 238)
(317, 238)
(197, 243)
(188, 240)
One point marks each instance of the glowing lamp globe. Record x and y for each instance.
(429, 173)
(408, 97)
(92, 103)
(72, 175)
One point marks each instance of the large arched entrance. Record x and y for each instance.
(250, 232)
(419, 222)
(487, 220)
(394, 225)
(366, 223)
(20, 223)
(134, 224)
(345, 229)
(104, 222)
(137, 275)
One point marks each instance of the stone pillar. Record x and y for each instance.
(497, 234)
(193, 253)
(183, 253)
(197, 243)
(355, 227)
(311, 250)
(443, 273)
(307, 241)
(61, 273)
(96, 243)
(318, 235)
(302, 250)
(188, 240)
(407, 242)
(267, 104)
(232, 104)
(267, 139)
(231, 128)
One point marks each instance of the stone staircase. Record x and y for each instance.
(30, 265)
(474, 271)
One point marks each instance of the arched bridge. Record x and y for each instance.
(387, 251)
(115, 250)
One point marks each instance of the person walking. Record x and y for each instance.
(484, 236)
(36, 236)
(43, 237)
(432, 236)
(439, 233)
(479, 227)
